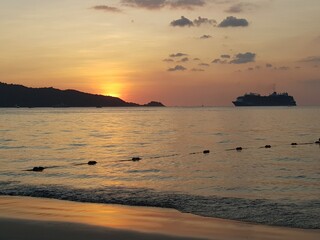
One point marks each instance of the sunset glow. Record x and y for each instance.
(112, 89)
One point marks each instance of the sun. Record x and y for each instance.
(112, 89)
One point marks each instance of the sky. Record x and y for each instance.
(178, 52)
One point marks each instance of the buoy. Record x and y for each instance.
(38, 169)
(239, 148)
(294, 144)
(92, 163)
(135, 159)
(206, 151)
(267, 146)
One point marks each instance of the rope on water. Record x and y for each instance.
(138, 158)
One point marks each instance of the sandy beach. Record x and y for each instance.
(37, 218)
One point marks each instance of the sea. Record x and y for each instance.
(277, 185)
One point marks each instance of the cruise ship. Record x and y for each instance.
(274, 99)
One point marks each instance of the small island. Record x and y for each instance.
(154, 104)
(14, 95)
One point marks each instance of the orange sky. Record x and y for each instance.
(219, 49)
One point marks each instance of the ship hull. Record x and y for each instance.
(241, 104)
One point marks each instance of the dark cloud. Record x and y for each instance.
(241, 58)
(157, 4)
(200, 20)
(312, 59)
(225, 56)
(205, 37)
(250, 69)
(177, 68)
(297, 67)
(234, 22)
(148, 4)
(187, 4)
(185, 59)
(185, 22)
(284, 68)
(197, 70)
(241, 7)
(268, 65)
(106, 8)
(178, 55)
(218, 60)
(204, 64)
(257, 67)
(312, 82)
(167, 60)
(196, 59)
(182, 22)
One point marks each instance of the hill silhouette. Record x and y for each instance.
(13, 95)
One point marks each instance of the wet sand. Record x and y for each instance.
(37, 218)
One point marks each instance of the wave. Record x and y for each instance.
(302, 214)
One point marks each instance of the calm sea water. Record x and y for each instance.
(277, 186)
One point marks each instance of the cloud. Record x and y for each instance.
(106, 8)
(312, 82)
(312, 59)
(187, 4)
(241, 7)
(158, 4)
(284, 68)
(185, 22)
(167, 60)
(250, 69)
(218, 60)
(178, 55)
(205, 37)
(199, 21)
(182, 22)
(177, 68)
(233, 22)
(225, 56)
(148, 4)
(197, 70)
(196, 59)
(241, 58)
(185, 59)
(268, 65)
(204, 64)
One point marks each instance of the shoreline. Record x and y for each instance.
(60, 218)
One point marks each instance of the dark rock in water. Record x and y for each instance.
(38, 169)
(154, 104)
(239, 148)
(317, 142)
(92, 163)
(267, 146)
(294, 144)
(206, 151)
(135, 159)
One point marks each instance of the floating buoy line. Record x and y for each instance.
(138, 158)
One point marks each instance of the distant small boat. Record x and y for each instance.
(274, 99)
